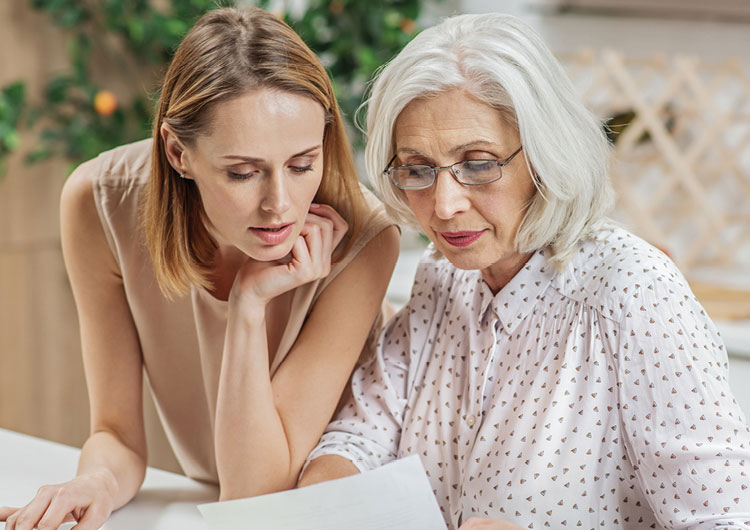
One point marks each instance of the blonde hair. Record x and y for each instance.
(504, 63)
(230, 52)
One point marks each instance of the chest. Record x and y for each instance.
(518, 431)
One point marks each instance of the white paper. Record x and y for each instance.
(397, 496)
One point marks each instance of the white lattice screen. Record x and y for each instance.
(682, 161)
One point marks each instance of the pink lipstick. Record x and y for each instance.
(463, 238)
(272, 234)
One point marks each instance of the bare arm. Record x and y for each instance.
(113, 460)
(111, 352)
(266, 428)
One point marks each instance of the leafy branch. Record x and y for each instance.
(80, 117)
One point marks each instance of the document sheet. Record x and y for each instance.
(397, 496)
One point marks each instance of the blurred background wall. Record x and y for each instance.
(42, 389)
(41, 382)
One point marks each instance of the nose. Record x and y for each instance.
(275, 194)
(450, 197)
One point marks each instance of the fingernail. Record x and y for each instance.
(314, 205)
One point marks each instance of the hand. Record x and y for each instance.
(475, 523)
(87, 499)
(309, 260)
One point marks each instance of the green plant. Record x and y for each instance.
(80, 116)
(12, 100)
(354, 38)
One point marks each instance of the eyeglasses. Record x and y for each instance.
(468, 172)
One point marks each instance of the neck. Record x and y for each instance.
(227, 261)
(501, 272)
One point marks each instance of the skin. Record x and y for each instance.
(448, 128)
(440, 131)
(264, 426)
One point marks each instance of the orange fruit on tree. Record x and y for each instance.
(105, 103)
(408, 26)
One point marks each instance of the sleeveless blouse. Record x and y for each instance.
(182, 340)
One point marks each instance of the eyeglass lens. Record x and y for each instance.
(469, 172)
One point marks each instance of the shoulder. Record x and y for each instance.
(374, 239)
(119, 161)
(103, 185)
(130, 162)
(615, 270)
(375, 219)
(77, 198)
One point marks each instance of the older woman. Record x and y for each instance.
(550, 370)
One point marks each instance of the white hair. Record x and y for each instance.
(503, 62)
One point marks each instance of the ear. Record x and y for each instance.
(174, 149)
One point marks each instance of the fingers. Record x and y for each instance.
(318, 236)
(59, 510)
(27, 517)
(309, 260)
(301, 256)
(55, 505)
(92, 519)
(339, 224)
(333, 229)
(6, 511)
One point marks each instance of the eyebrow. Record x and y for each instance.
(454, 151)
(254, 159)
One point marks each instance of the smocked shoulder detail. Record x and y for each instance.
(609, 272)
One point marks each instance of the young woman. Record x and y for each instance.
(234, 259)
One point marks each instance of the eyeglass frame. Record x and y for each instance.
(435, 170)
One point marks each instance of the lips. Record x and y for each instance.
(463, 238)
(272, 234)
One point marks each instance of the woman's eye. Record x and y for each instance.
(241, 176)
(301, 169)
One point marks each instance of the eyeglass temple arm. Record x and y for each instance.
(508, 160)
(388, 165)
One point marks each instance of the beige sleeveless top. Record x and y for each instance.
(182, 340)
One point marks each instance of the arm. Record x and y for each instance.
(111, 351)
(265, 428)
(682, 427)
(113, 460)
(366, 432)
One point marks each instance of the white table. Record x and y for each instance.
(166, 501)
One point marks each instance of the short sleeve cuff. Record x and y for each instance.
(363, 453)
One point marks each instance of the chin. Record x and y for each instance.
(467, 259)
(460, 262)
(270, 253)
(461, 259)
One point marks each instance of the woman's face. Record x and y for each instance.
(473, 226)
(258, 169)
